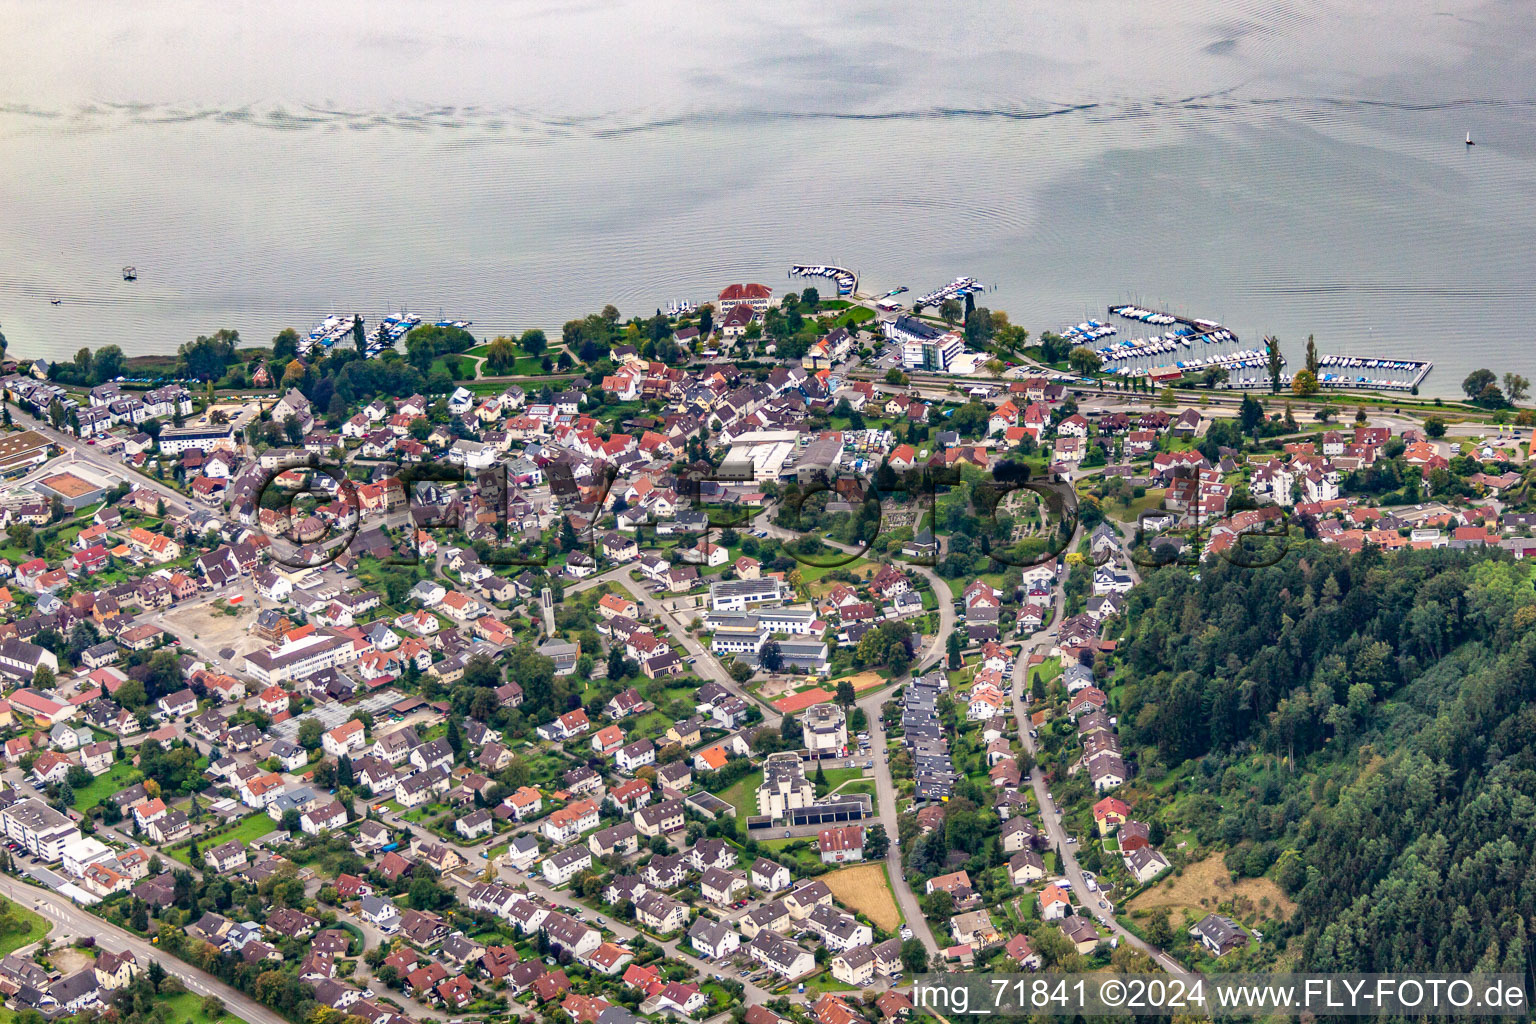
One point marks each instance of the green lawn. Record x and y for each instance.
(836, 777)
(743, 794)
(188, 1006)
(120, 776)
(651, 724)
(824, 982)
(526, 366)
(811, 573)
(247, 830)
(35, 928)
(458, 366)
(957, 586)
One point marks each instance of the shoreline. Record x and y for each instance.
(156, 369)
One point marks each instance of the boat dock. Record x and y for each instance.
(959, 288)
(847, 280)
(390, 329)
(331, 330)
(1159, 318)
(1345, 372)
(385, 334)
(1181, 347)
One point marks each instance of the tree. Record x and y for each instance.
(1477, 382)
(770, 656)
(285, 345)
(310, 731)
(876, 843)
(455, 737)
(1313, 362)
(291, 822)
(939, 904)
(131, 694)
(108, 364)
(1084, 360)
(1272, 345)
(950, 311)
(1304, 383)
(533, 341)
(952, 646)
(208, 357)
(845, 693)
(791, 731)
(914, 956)
(501, 355)
(1159, 931)
(895, 377)
(1251, 415)
(1516, 387)
(1434, 427)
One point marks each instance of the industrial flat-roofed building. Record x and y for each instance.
(175, 440)
(810, 655)
(74, 489)
(738, 595)
(20, 452)
(301, 659)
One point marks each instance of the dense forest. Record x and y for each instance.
(1361, 728)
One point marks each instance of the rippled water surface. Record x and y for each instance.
(1285, 167)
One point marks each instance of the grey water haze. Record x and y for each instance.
(1285, 167)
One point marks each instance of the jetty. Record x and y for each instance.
(1334, 371)
(959, 288)
(847, 280)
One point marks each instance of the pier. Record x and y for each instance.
(1344, 372)
(846, 279)
(1160, 318)
(959, 288)
(336, 329)
(1183, 341)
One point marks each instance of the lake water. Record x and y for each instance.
(1284, 167)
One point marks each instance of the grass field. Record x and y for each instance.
(188, 1006)
(836, 777)
(865, 888)
(119, 776)
(247, 830)
(856, 315)
(1207, 884)
(811, 573)
(743, 794)
(1148, 502)
(459, 366)
(34, 931)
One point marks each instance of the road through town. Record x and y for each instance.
(73, 921)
